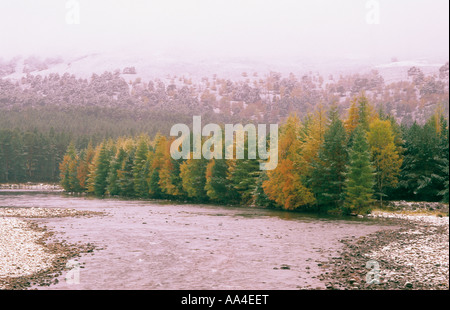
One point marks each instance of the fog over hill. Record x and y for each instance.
(157, 65)
(199, 38)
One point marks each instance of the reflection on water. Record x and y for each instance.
(167, 245)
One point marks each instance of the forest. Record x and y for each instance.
(347, 165)
(55, 128)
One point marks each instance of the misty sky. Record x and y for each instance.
(250, 28)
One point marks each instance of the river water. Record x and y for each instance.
(166, 245)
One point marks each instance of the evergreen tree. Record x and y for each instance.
(156, 161)
(422, 176)
(101, 170)
(243, 174)
(328, 174)
(442, 158)
(125, 176)
(141, 168)
(218, 186)
(243, 179)
(260, 197)
(358, 191)
(115, 166)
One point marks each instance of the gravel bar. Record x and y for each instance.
(414, 255)
(30, 254)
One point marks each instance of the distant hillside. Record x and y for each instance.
(158, 65)
(113, 95)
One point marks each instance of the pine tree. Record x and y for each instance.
(218, 186)
(243, 175)
(442, 158)
(243, 179)
(328, 174)
(260, 197)
(141, 168)
(115, 166)
(125, 176)
(101, 171)
(358, 191)
(422, 176)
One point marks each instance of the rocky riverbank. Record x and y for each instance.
(413, 255)
(31, 186)
(30, 254)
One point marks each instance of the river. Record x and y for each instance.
(167, 245)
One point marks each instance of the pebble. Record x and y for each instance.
(27, 254)
(412, 255)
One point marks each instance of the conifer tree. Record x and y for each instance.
(169, 174)
(115, 166)
(385, 158)
(101, 170)
(156, 161)
(243, 175)
(141, 168)
(358, 191)
(125, 176)
(422, 176)
(193, 178)
(313, 135)
(286, 183)
(328, 174)
(68, 170)
(353, 117)
(218, 186)
(86, 159)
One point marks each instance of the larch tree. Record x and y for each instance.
(68, 170)
(313, 136)
(83, 168)
(193, 178)
(169, 174)
(385, 158)
(285, 184)
(156, 160)
(353, 117)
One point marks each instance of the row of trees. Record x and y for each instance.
(323, 162)
(32, 156)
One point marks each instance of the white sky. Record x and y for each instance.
(251, 28)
